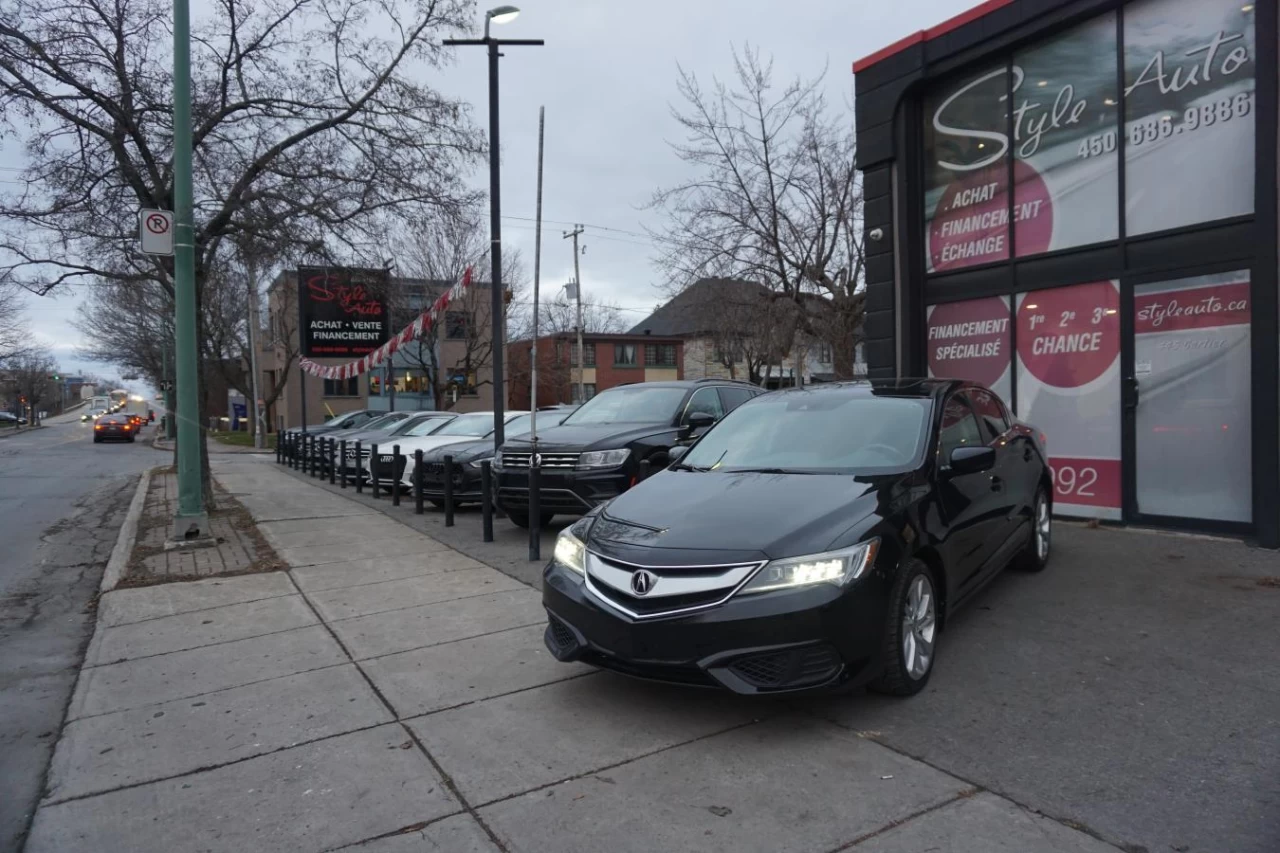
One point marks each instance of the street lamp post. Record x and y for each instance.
(499, 15)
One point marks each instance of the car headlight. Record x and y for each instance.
(834, 567)
(497, 461)
(477, 463)
(602, 458)
(571, 552)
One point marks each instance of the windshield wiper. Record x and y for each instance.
(764, 471)
(687, 467)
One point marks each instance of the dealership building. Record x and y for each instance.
(1075, 203)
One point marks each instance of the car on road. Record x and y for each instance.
(114, 427)
(813, 538)
(11, 420)
(464, 429)
(468, 456)
(610, 443)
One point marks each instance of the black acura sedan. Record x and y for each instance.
(814, 538)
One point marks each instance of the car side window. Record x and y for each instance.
(704, 400)
(734, 397)
(990, 413)
(959, 428)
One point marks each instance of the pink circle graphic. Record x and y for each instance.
(971, 222)
(1069, 336)
(969, 340)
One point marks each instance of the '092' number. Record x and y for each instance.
(1078, 482)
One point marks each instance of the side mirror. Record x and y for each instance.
(699, 420)
(676, 453)
(972, 460)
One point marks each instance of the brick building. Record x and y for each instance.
(609, 360)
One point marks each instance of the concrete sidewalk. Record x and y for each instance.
(390, 694)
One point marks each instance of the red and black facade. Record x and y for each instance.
(1075, 202)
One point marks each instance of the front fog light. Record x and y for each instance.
(834, 567)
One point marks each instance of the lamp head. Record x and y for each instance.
(499, 15)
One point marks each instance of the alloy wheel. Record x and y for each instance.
(919, 627)
(1044, 529)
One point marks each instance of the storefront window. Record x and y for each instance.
(1192, 353)
(1189, 112)
(966, 153)
(970, 340)
(1065, 149)
(1069, 387)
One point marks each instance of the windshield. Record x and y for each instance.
(335, 420)
(479, 423)
(426, 427)
(408, 424)
(629, 404)
(815, 432)
(520, 425)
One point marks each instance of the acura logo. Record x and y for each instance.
(642, 582)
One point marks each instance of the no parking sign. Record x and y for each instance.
(155, 231)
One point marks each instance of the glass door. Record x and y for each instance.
(1188, 398)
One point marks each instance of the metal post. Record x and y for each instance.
(448, 491)
(259, 421)
(342, 463)
(577, 294)
(359, 471)
(190, 521)
(535, 511)
(305, 461)
(395, 482)
(375, 468)
(486, 498)
(497, 340)
(417, 482)
(328, 455)
(302, 396)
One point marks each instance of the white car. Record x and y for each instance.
(463, 428)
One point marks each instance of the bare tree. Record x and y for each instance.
(14, 336)
(311, 124)
(432, 253)
(775, 198)
(32, 374)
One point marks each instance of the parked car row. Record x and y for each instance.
(798, 540)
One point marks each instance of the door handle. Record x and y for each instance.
(1129, 392)
(1026, 454)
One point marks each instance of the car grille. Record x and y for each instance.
(672, 673)
(788, 669)
(549, 500)
(561, 634)
(686, 588)
(561, 461)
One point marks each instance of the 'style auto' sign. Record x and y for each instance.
(342, 311)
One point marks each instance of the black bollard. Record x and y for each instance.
(359, 470)
(395, 481)
(342, 463)
(417, 482)
(277, 448)
(328, 455)
(306, 454)
(535, 513)
(486, 497)
(375, 468)
(448, 491)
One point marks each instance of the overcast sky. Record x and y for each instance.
(607, 79)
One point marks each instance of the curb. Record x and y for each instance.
(128, 535)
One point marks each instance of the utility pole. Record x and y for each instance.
(577, 292)
(190, 522)
(259, 424)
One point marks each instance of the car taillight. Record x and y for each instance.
(97, 426)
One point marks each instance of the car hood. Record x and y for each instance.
(466, 450)
(567, 437)
(741, 514)
(427, 442)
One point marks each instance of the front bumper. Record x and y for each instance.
(560, 491)
(787, 641)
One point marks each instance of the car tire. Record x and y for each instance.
(913, 613)
(1035, 556)
(521, 519)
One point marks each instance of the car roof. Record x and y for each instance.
(902, 387)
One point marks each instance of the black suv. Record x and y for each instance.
(612, 442)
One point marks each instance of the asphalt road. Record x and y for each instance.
(62, 501)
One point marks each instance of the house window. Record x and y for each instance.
(660, 355)
(589, 349)
(588, 391)
(624, 355)
(342, 387)
(825, 355)
(456, 325)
